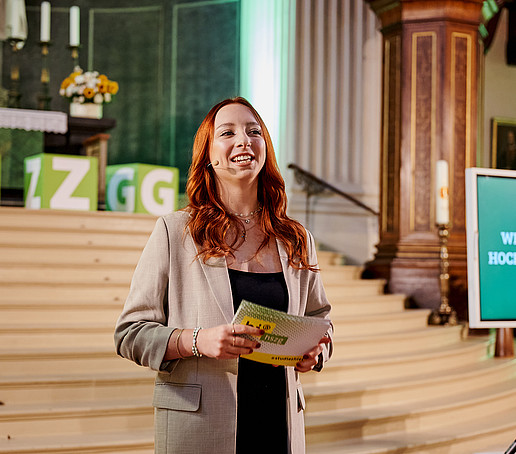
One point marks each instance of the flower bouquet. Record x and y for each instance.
(87, 92)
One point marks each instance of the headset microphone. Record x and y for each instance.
(215, 163)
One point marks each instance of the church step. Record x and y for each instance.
(70, 274)
(61, 360)
(75, 417)
(344, 304)
(73, 294)
(53, 335)
(337, 275)
(359, 325)
(365, 287)
(58, 220)
(59, 314)
(329, 258)
(456, 438)
(42, 238)
(21, 255)
(66, 274)
(101, 334)
(135, 441)
(31, 389)
(344, 301)
(346, 346)
(375, 391)
(411, 418)
(404, 365)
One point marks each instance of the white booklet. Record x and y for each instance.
(287, 337)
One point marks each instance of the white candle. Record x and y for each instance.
(14, 17)
(442, 204)
(75, 33)
(45, 22)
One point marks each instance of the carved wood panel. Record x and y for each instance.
(391, 135)
(422, 127)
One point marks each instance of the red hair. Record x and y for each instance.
(209, 222)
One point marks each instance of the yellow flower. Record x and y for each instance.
(65, 83)
(113, 87)
(89, 93)
(103, 78)
(103, 86)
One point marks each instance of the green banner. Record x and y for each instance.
(497, 247)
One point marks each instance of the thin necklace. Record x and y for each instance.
(244, 232)
(249, 215)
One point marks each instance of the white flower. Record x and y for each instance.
(80, 79)
(80, 90)
(81, 99)
(98, 98)
(107, 97)
(69, 91)
(61, 91)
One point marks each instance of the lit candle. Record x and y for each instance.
(45, 22)
(442, 204)
(75, 33)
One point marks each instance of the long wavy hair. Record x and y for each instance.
(212, 226)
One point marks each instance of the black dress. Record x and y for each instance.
(261, 388)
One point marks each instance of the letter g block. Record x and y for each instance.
(142, 188)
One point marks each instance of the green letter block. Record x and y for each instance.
(142, 188)
(61, 182)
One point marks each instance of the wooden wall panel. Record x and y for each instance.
(391, 136)
(422, 128)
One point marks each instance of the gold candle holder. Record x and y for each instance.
(44, 97)
(445, 315)
(74, 50)
(14, 94)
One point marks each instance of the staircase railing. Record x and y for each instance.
(313, 185)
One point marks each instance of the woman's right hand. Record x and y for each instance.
(224, 341)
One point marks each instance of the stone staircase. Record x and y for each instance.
(394, 384)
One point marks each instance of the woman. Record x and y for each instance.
(233, 241)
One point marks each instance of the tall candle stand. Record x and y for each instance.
(75, 55)
(445, 315)
(14, 94)
(44, 96)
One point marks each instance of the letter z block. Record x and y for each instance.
(61, 182)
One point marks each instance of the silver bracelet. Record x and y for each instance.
(195, 351)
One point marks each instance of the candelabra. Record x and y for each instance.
(44, 96)
(75, 54)
(445, 315)
(14, 94)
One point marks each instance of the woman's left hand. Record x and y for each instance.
(310, 358)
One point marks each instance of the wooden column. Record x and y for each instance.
(431, 57)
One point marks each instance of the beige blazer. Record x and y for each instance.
(195, 398)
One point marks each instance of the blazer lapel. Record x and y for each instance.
(292, 280)
(216, 273)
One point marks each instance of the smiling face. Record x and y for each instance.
(238, 144)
